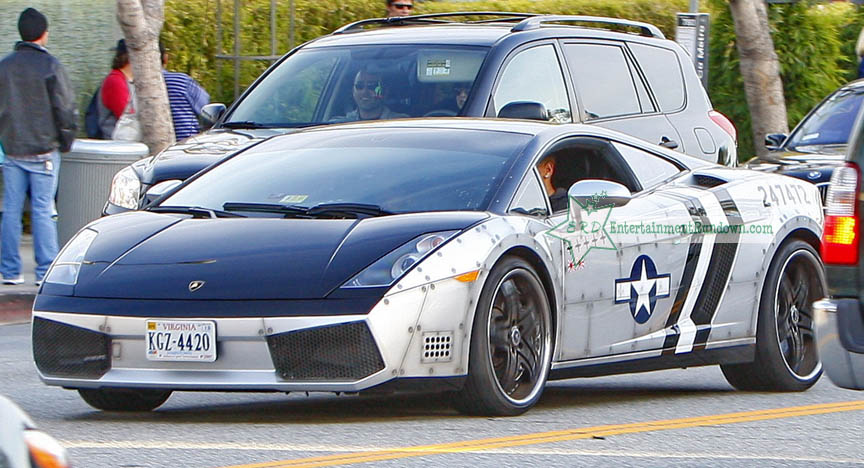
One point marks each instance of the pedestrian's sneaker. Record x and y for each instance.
(16, 280)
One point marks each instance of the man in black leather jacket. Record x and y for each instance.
(38, 120)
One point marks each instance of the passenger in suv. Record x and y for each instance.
(514, 66)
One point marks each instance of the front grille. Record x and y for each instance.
(823, 192)
(332, 353)
(66, 351)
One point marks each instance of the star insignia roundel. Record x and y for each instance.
(642, 289)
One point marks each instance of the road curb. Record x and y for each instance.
(15, 308)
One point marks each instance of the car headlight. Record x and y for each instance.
(65, 268)
(125, 189)
(392, 266)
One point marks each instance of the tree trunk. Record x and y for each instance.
(760, 70)
(141, 22)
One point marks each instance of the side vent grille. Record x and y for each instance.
(66, 351)
(703, 180)
(343, 352)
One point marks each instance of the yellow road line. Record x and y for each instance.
(564, 435)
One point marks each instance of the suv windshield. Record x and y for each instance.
(343, 84)
(830, 125)
(397, 170)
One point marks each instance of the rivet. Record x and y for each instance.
(461, 326)
(107, 329)
(459, 241)
(399, 286)
(261, 331)
(401, 371)
(440, 254)
(394, 371)
(428, 278)
(453, 270)
(410, 329)
(432, 286)
(418, 328)
(420, 269)
(101, 327)
(431, 370)
(386, 301)
(423, 288)
(269, 330)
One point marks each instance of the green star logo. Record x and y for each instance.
(584, 229)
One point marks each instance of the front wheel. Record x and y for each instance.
(511, 343)
(786, 355)
(124, 399)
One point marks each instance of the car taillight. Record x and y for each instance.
(724, 123)
(841, 236)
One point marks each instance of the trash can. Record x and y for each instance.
(85, 180)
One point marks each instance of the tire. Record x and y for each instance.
(511, 343)
(124, 399)
(786, 355)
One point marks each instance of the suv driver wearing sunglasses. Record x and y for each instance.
(400, 7)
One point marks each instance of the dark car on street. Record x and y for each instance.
(840, 317)
(817, 145)
(503, 65)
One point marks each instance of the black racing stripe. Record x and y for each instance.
(697, 212)
(717, 277)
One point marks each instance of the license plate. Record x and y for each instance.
(181, 340)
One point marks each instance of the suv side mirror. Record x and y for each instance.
(774, 140)
(160, 189)
(524, 110)
(211, 113)
(602, 192)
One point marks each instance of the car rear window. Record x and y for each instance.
(663, 71)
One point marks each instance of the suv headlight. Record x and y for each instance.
(65, 268)
(392, 266)
(125, 189)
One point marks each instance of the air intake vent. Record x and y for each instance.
(703, 180)
(344, 352)
(437, 347)
(65, 351)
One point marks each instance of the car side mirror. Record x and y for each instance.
(773, 141)
(524, 110)
(211, 113)
(599, 192)
(157, 191)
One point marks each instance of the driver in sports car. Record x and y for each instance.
(557, 196)
(369, 93)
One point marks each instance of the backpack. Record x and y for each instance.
(91, 117)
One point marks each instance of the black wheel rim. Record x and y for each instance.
(519, 336)
(800, 284)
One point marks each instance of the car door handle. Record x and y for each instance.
(667, 143)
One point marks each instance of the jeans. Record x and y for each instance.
(39, 179)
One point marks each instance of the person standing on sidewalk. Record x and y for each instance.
(38, 120)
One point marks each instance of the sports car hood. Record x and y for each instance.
(157, 256)
(195, 153)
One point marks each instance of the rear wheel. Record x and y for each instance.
(511, 343)
(786, 355)
(124, 399)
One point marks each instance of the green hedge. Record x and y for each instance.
(814, 41)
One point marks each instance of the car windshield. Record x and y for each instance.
(828, 126)
(358, 171)
(341, 84)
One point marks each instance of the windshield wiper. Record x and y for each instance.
(244, 124)
(265, 208)
(195, 211)
(357, 209)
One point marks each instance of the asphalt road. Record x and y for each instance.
(661, 419)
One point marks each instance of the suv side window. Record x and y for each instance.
(535, 75)
(649, 169)
(663, 71)
(607, 83)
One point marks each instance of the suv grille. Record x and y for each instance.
(336, 352)
(67, 351)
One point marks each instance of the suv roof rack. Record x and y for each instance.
(534, 22)
(436, 18)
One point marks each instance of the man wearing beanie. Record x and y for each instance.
(37, 121)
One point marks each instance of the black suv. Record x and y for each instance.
(840, 318)
(505, 65)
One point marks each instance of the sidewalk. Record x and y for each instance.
(16, 301)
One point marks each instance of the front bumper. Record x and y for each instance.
(840, 337)
(418, 332)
